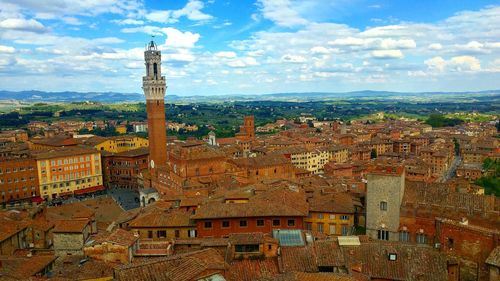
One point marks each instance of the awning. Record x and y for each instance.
(89, 189)
(69, 193)
(37, 199)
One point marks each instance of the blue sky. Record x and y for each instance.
(251, 47)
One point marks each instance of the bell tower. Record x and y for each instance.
(154, 87)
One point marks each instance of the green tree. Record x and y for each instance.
(457, 146)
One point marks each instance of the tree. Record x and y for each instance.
(457, 146)
(373, 154)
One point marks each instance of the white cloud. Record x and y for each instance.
(161, 16)
(465, 63)
(191, 11)
(228, 55)
(456, 64)
(280, 12)
(7, 49)
(320, 50)
(374, 43)
(293, 58)
(243, 62)
(54, 9)
(435, 46)
(179, 39)
(128, 22)
(436, 63)
(23, 25)
(387, 54)
(349, 41)
(72, 21)
(148, 29)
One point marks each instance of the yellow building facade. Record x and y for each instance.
(121, 144)
(68, 171)
(329, 223)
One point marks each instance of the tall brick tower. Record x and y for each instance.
(249, 126)
(154, 87)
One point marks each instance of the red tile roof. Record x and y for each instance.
(184, 267)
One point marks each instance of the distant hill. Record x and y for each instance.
(110, 97)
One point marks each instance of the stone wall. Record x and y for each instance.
(384, 188)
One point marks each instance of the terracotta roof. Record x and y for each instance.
(251, 270)
(71, 226)
(248, 238)
(320, 276)
(23, 267)
(332, 203)
(142, 151)
(277, 202)
(261, 161)
(63, 151)
(120, 237)
(163, 218)
(298, 259)
(189, 266)
(72, 268)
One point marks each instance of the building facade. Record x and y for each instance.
(384, 194)
(67, 171)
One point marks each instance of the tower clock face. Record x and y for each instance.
(152, 163)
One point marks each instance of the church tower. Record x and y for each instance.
(154, 87)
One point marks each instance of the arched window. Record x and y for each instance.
(155, 70)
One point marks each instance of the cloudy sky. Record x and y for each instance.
(251, 47)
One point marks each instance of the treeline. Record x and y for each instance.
(439, 120)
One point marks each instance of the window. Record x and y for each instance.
(243, 223)
(344, 217)
(320, 227)
(150, 234)
(308, 226)
(291, 222)
(320, 216)
(246, 248)
(383, 206)
(192, 233)
(260, 222)
(450, 242)
(421, 238)
(332, 217)
(208, 224)
(276, 222)
(382, 234)
(404, 236)
(345, 230)
(177, 233)
(161, 234)
(225, 224)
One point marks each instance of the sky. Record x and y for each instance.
(218, 47)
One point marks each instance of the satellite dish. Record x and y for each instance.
(152, 164)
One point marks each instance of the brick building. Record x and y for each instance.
(123, 169)
(279, 208)
(18, 175)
